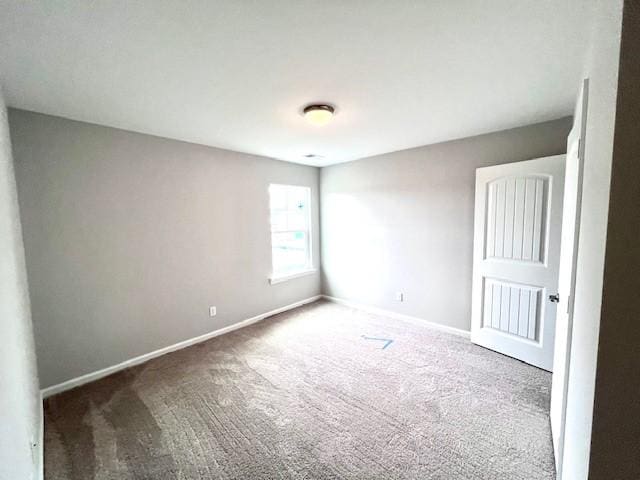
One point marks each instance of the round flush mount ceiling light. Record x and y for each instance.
(318, 115)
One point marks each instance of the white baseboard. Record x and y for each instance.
(399, 316)
(90, 377)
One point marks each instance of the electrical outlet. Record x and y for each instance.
(400, 296)
(212, 311)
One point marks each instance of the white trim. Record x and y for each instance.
(273, 279)
(309, 231)
(40, 446)
(399, 316)
(90, 377)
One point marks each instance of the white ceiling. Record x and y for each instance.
(235, 74)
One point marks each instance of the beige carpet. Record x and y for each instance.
(304, 395)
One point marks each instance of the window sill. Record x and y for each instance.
(290, 276)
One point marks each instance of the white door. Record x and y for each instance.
(518, 218)
(566, 286)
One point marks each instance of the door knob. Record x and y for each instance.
(554, 298)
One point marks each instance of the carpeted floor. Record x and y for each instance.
(303, 395)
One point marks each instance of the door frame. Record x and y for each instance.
(566, 347)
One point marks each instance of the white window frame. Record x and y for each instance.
(278, 277)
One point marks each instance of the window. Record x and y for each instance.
(290, 231)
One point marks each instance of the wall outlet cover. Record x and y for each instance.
(212, 311)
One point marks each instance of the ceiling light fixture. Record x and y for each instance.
(318, 115)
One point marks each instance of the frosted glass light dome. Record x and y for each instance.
(318, 115)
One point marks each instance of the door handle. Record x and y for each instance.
(554, 298)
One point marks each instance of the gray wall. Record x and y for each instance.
(20, 407)
(129, 238)
(403, 222)
(616, 416)
(601, 67)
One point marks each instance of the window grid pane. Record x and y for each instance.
(290, 220)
